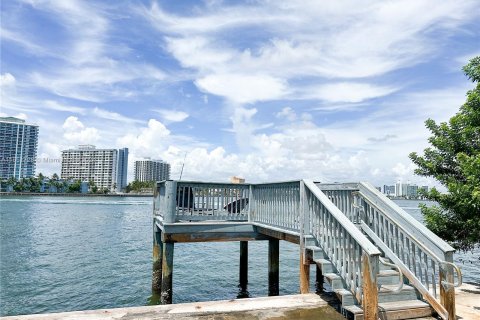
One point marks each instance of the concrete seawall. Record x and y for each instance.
(305, 306)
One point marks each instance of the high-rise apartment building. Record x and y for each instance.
(87, 163)
(18, 148)
(152, 170)
(122, 166)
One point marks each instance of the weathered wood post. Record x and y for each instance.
(243, 272)
(447, 289)
(370, 290)
(167, 273)
(319, 280)
(157, 260)
(157, 245)
(304, 267)
(273, 267)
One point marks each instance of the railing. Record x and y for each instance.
(425, 259)
(177, 201)
(353, 255)
(277, 204)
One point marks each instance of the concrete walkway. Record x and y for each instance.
(301, 307)
(306, 306)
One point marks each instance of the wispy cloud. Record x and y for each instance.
(172, 115)
(109, 115)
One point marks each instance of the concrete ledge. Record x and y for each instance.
(281, 307)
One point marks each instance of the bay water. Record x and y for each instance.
(78, 253)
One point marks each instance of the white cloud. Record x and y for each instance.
(109, 115)
(149, 142)
(243, 88)
(7, 79)
(76, 133)
(172, 115)
(54, 105)
(346, 92)
(287, 113)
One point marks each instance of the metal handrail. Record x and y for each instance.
(457, 270)
(400, 274)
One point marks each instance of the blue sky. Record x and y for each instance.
(329, 90)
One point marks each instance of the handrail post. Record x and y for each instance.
(170, 201)
(370, 289)
(250, 203)
(304, 264)
(447, 287)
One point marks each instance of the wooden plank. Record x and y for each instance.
(207, 227)
(213, 237)
(278, 234)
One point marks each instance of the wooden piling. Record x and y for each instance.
(370, 290)
(273, 267)
(157, 260)
(243, 272)
(304, 273)
(319, 280)
(167, 273)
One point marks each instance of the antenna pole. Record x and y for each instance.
(183, 165)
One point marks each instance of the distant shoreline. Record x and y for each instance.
(9, 194)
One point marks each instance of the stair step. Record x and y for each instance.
(318, 252)
(385, 277)
(310, 240)
(325, 265)
(385, 294)
(407, 309)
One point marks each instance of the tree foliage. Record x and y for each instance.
(454, 160)
(139, 186)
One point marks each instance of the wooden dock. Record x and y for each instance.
(379, 261)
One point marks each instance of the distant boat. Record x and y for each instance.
(236, 206)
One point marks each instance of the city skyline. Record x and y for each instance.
(266, 91)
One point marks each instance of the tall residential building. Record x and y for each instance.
(152, 170)
(18, 148)
(100, 165)
(122, 166)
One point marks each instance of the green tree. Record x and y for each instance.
(137, 186)
(454, 160)
(75, 186)
(93, 187)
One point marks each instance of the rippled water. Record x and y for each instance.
(64, 254)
